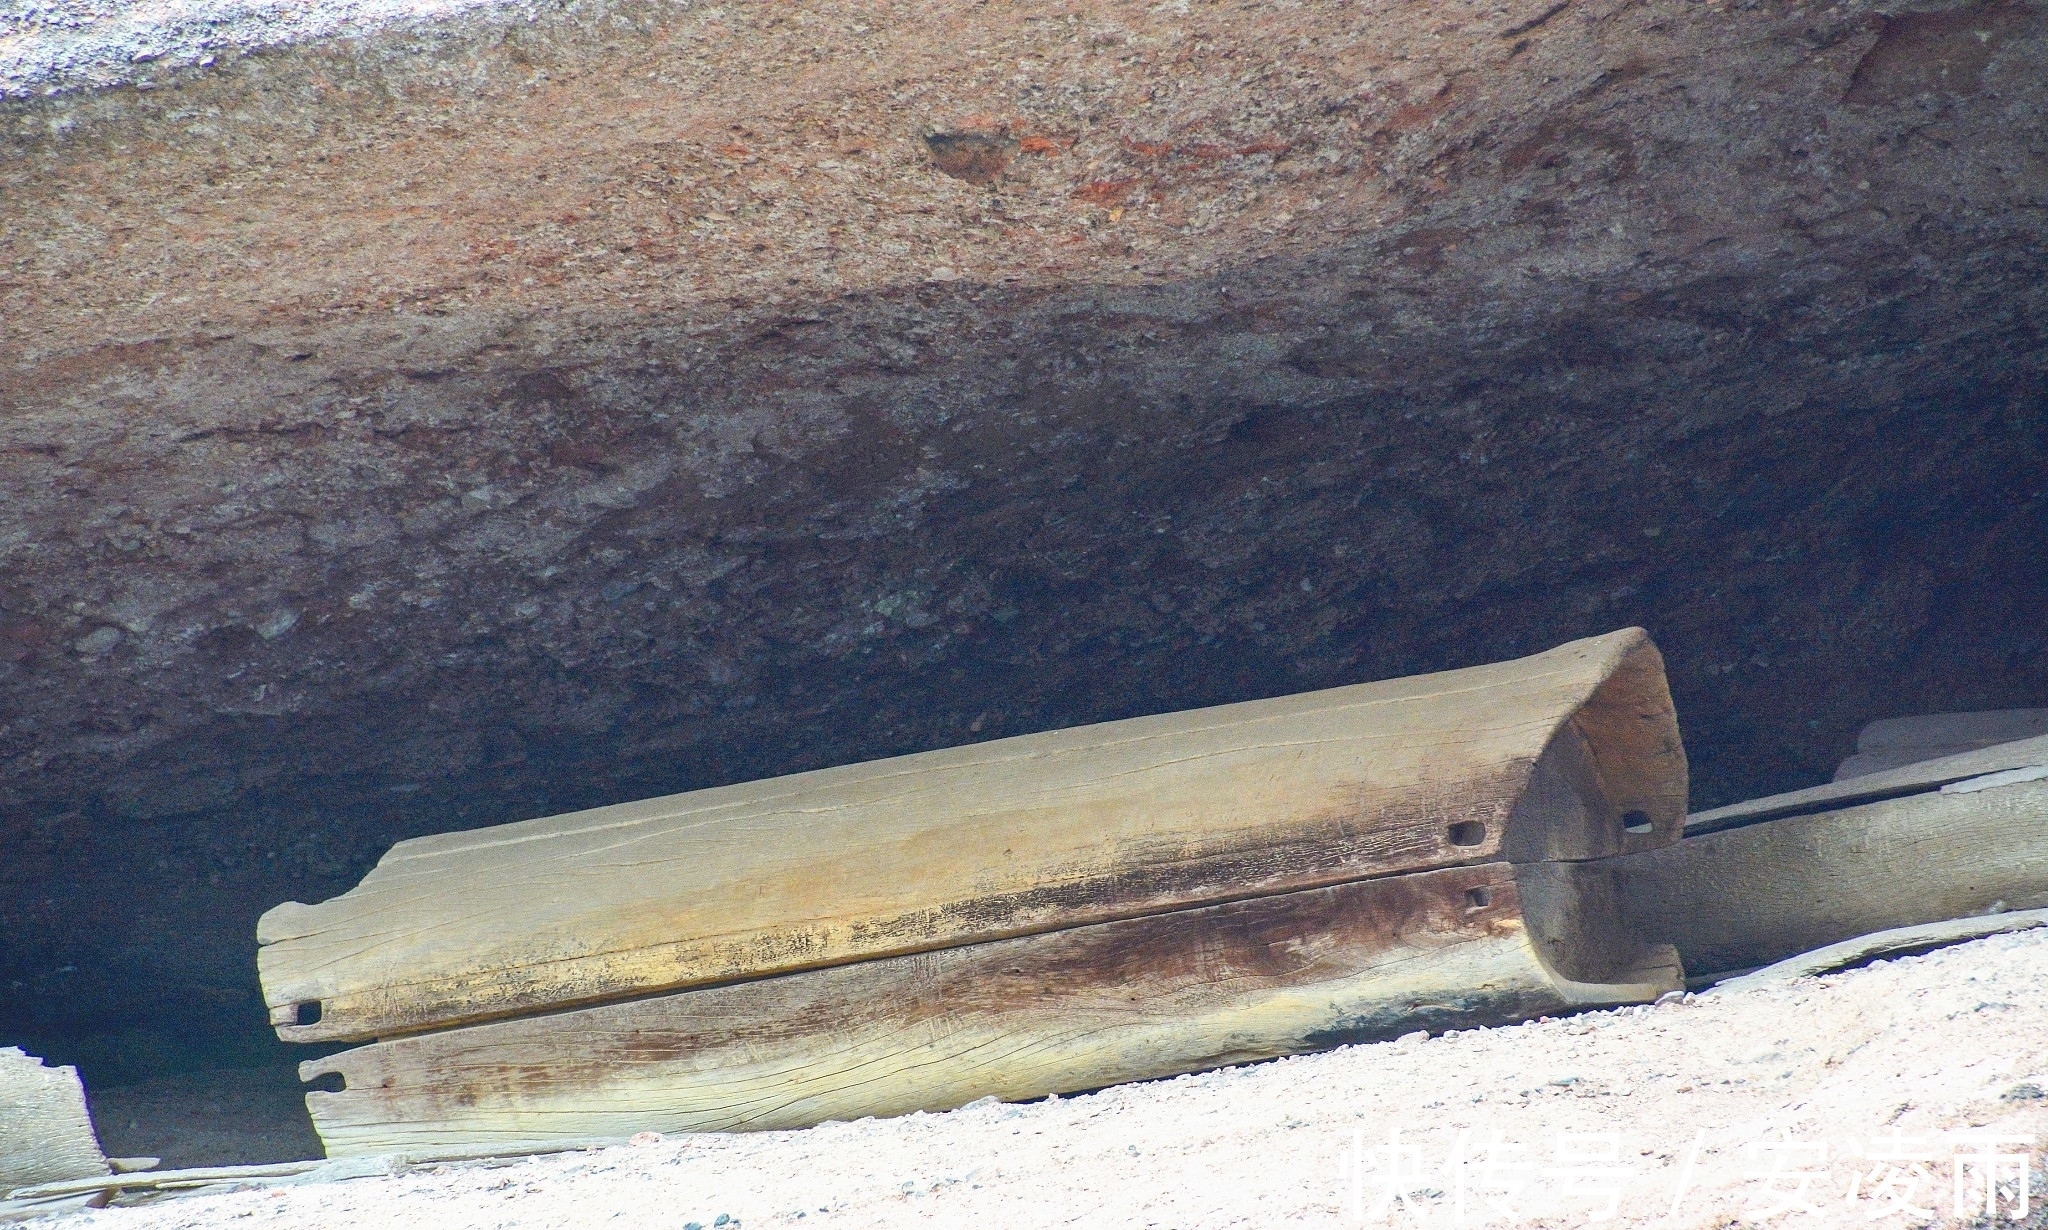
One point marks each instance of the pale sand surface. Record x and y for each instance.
(48, 46)
(1923, 1055)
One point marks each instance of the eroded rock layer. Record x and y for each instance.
(490, 419)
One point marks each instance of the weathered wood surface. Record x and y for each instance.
(186, 1179)
(45, 1131)
(1018, 1018)
(1007, 838)
(1893, 742)
(1747, 896)
(1899, 941)
(34, 1208)
(1916, 778)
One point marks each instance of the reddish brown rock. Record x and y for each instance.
(480, 421)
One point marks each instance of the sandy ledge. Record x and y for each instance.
(1940, 1053)
(65, 45)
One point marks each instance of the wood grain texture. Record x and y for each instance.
(1908, 779)
(969, 844)
(1748, 896)
(1898, 941)
(45, 1132)
(1018, 1018)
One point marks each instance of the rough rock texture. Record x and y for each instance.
(484, 420)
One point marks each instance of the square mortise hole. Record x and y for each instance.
(1637, 822)
(1467, 833)
(1478, 898)
(307, 1013)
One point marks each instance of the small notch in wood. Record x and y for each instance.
(328, 1082)
(1478, 898)
(1467, 833)
(307, 1013)
(1637, 822)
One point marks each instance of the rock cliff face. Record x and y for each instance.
(539, 410)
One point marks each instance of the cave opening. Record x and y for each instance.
(770, 440)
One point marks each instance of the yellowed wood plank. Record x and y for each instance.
(1748, 896)
(45, 1132)
(998, 839)
(1018, 1018)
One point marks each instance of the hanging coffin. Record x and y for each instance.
(1757, 882)
(1015, 918)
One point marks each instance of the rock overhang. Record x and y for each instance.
(471, 422)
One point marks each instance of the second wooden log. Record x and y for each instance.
(1746, 896)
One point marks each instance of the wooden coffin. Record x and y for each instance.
(1567, 755)
(1763, 880)
(1017, 1018)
